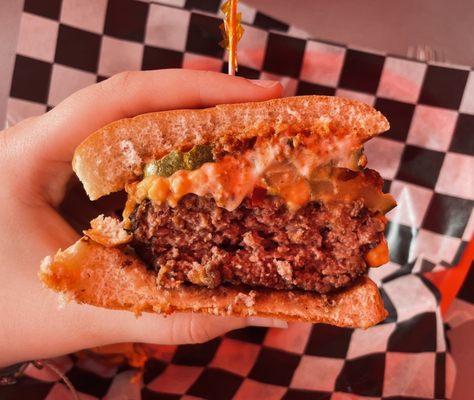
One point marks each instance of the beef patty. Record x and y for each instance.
(261, 243)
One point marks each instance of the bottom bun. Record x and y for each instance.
(88, 272)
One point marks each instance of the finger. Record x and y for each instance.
(59, 132)
(178, 328)
(193, 328)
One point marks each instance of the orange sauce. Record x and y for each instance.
(294, 168)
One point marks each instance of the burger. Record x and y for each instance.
(263, 209)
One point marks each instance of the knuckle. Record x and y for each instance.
(27, 121)
(198, 330)
(119, 82)
(117, 87)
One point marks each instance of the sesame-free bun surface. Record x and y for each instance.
(115, 154)
(88, 272)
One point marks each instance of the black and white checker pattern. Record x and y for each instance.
(424, 159)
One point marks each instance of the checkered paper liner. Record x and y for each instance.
(426, 160)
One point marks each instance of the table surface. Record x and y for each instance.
(385, 26)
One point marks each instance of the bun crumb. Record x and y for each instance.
(108, 231)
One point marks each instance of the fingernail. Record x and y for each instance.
(265, 83)
(267, 322)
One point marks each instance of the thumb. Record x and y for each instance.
(57, 133)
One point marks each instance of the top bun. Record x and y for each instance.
(115, 154)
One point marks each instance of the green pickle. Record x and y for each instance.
(177, 160)
(166, 166)
(198, 155)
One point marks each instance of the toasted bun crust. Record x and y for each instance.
(88, 272)
(115, 154)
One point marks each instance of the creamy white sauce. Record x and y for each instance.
(233, 178)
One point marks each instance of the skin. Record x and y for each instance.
(36, 176)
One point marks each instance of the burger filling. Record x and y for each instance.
(261, 243)
(286, 213)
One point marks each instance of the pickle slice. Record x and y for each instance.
(198, 155)
(176, 160)
(166, 166)
(348, 185)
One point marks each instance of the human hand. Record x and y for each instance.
(35, 173)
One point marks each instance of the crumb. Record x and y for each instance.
(108, 232)
(284, 270)
(248, 301)
(204, 275)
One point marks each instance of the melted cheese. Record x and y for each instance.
(378, 256)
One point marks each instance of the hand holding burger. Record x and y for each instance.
(263, 208)
(35, 168)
